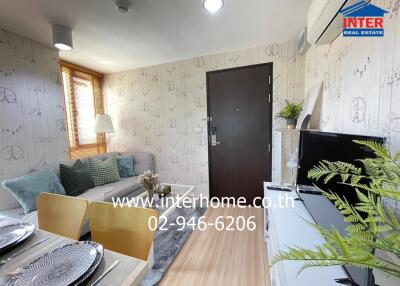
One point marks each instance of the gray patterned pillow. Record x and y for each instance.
(104, 172)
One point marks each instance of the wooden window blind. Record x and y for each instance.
(83, 100)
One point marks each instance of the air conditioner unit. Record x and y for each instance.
(324, 23)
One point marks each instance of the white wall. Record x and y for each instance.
(158, 108)
(362, 77)
(32, 129)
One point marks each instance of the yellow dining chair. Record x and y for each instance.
(62, 215)
(123, 229)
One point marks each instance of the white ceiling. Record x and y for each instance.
(154, 31)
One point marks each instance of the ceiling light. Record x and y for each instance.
(62, 38)
(213, 6)
(122, 5)
(62, 47)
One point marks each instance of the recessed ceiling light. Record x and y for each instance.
(213, 6)
(62, 38)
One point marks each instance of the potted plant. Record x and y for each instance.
(373, 226)
(149, 181)
(290, 112)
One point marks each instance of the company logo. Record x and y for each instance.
(363, 20)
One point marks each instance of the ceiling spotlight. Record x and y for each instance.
(62, 37)
(213, 6)
(122, 5)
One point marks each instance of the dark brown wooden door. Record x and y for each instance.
(240, 116)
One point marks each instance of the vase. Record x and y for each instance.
(150, 196)
(292, 164)
(150, 193)
(291, 123)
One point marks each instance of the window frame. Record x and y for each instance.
(77, 150)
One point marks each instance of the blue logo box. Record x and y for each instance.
(363, 33)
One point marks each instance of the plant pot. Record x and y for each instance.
(291, 123)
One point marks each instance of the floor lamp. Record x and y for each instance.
(103, 125)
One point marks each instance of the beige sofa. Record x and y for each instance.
(126, 187)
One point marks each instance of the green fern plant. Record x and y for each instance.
(372, 225)
(290, 111)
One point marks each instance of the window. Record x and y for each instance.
(83, 100)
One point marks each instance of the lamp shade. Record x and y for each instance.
(103, 124)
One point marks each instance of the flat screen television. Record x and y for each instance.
(314, 147)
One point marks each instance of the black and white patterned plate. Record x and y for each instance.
(12, 234)
(99, 257)
(61, 267)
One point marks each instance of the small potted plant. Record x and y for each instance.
(149, 181)
(291, 113)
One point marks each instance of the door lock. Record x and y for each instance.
(214, 141)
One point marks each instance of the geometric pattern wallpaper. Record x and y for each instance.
(361, 82)
(162, 109)
(32, 126)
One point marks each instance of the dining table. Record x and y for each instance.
(129, 271)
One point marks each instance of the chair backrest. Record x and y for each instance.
(62, 215)
(123, 229)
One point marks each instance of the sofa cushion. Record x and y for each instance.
(143, 161)
(26, 188)
(104, 172)
(121, 189)
(103, 157)
(125, 166)
(96, 194)
(76, 179)
(55, 167)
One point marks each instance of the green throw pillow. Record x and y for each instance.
(26, 188)
(104, 172)
(76, 179)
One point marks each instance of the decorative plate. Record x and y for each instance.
(99, 257)
(12, 234)
(61, 267)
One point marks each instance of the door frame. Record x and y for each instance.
(270, 64)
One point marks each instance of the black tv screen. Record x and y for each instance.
(315, 147)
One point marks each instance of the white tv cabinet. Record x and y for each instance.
(287, 227)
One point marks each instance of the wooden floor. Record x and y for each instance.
(211, 257)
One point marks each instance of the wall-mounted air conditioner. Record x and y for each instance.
(324, 23)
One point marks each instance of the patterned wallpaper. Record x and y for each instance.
(32, 127)
(362, 82)
(162, 109)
